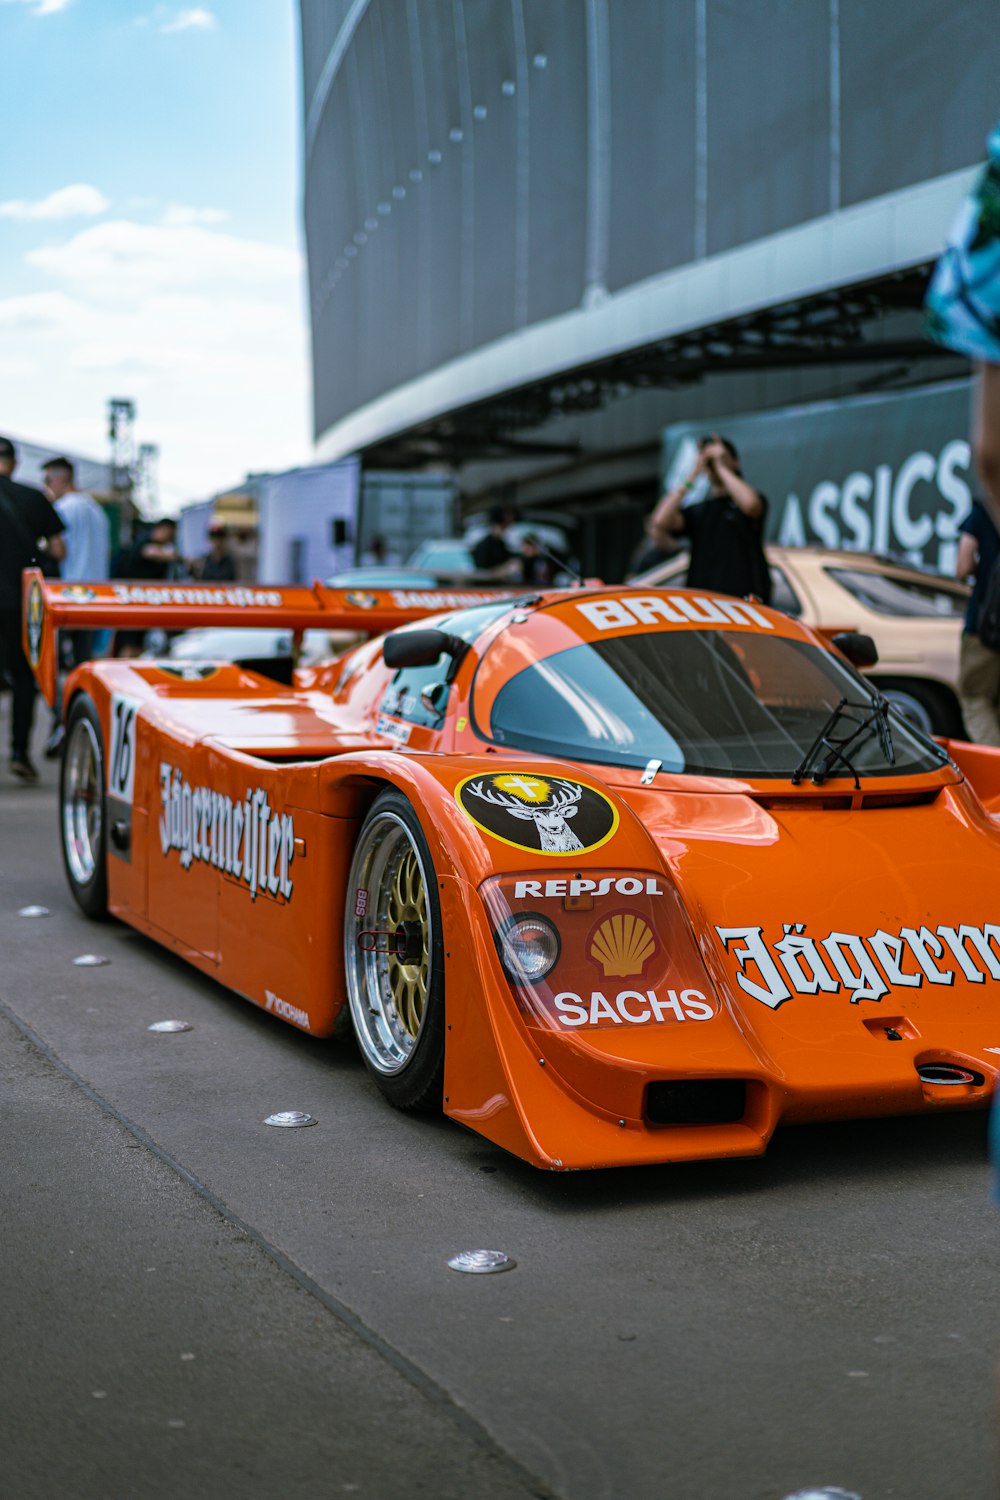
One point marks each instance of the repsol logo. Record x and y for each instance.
(631, 1007)
(622, 885)
(279, 1007)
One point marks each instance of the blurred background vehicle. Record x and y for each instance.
(447, 556)
(914, 618)
(452, 557)
(375, 576)
(243, 644)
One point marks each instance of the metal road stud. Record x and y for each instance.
(826, 1492)
(292, 1119)
(90, 961)
(482, 1262)
(170, 1026)
(33, 911)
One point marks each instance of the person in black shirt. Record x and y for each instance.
(725, 529)
(154, 557)
(29, 530)
(218, 566)
(491, 551)
(535, 567)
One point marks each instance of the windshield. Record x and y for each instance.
(711, 703)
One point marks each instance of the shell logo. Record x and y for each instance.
(622, 945)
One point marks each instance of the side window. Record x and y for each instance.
(401, 698)
(783, 596)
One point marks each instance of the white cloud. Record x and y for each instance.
(180, 213)
(42, 7)
(80, 200)
(205, 331)
(37, 310)
(189, 20)
(122, 256)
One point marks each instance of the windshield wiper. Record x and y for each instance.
(837, 749)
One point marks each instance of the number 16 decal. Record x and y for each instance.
(121, 754)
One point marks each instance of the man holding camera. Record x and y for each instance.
(725, 528)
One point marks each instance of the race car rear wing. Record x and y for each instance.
(50, 605)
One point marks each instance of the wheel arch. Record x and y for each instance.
(493, 1083)
(940, 698)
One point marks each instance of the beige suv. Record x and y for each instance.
(914, 618)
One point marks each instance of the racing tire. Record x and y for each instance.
(82, 819)
(925, 704)
(394, 956)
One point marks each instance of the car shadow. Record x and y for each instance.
(880, 1152)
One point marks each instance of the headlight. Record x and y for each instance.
(528, 947)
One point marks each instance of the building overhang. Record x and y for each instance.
(827, 292)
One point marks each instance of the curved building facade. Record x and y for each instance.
(479, 170)
(539, 232)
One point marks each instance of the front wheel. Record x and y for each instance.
(393, 956)
(81, 809)
(928, 705)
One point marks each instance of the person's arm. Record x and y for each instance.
(742, 494)
(666, 521)
(968, 556)
(986, 436)
(51, 529)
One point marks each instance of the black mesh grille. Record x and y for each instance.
(696, 1101)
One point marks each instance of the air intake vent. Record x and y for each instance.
(948, 1075)
(696, 1101)
(810, 801)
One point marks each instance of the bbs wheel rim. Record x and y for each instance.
(81, 813)
(388, 943)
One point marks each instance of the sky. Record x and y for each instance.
(150, 238)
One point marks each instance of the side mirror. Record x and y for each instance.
(419, 648)
(860, 650)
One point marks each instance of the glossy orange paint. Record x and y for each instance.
(768, 950)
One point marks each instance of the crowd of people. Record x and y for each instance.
(529, 563)
(65, 532)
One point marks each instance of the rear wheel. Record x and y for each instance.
(926, 704)
(81, 809)
(393, 954)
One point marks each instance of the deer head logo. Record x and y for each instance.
(519, 796)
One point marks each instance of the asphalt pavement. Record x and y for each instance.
(197, 1304)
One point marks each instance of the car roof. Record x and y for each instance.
(822, 557)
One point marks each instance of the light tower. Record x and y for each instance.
(146, 487)
(121, 432)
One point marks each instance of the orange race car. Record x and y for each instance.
(611, 875)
